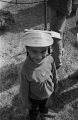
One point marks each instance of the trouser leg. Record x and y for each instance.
(43, 109)
(57, 20)
(38, 106)
(42, 106)
(57, 23)
(57, 52)
(33, 112)
(52, 19)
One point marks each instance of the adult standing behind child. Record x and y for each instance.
(58, 11)
(38, 74)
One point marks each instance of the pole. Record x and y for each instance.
(45, 14)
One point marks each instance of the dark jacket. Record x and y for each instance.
(63, 6)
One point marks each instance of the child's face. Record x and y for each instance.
(37, 53)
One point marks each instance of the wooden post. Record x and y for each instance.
(45, 14)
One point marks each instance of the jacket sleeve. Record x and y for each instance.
(24, 91)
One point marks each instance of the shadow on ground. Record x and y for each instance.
(68, 89)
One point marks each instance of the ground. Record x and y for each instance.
(12, 55)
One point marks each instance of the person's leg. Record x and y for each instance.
(57, 20)
(60, 43)
(57, 52)
(43, 110)
(33, 112)
(61, 22)
(57, 23)
(53, 19)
